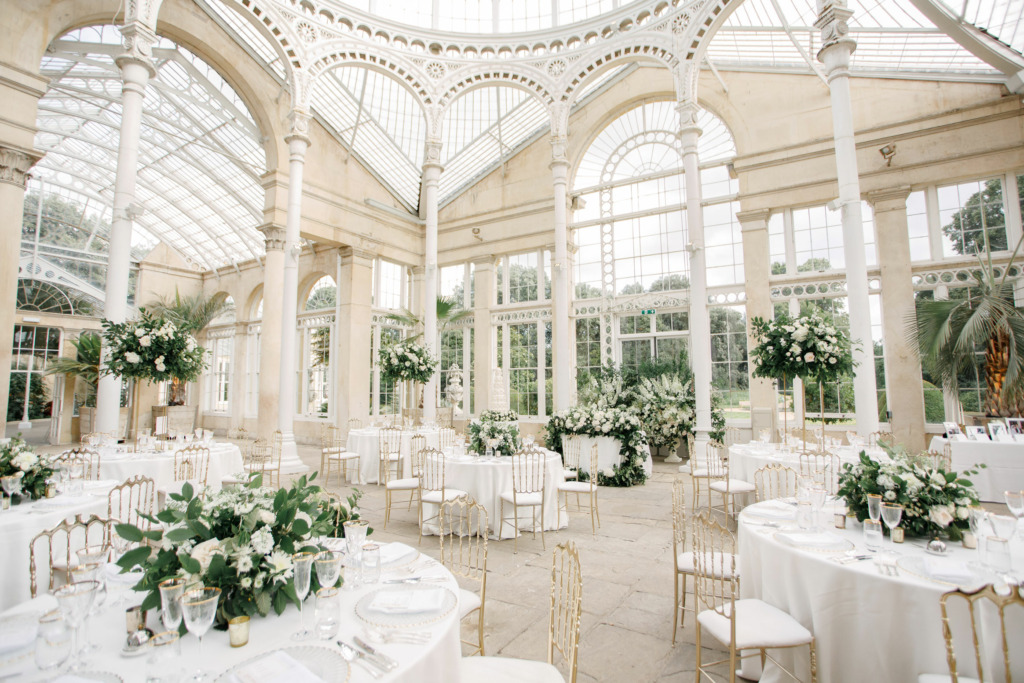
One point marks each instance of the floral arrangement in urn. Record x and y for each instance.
(934, 501)
(18, 460)
(500, 427)
(405, 361)
(152, 349)
(667, 409)
(809, 347)
(239, 540)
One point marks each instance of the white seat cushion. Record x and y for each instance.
(403, 484)
(685, 468)
(705, 473)
(732, 486)
(344, 455)
(535, 498)
(570, 474)
(944, 678)
(758, 625)
(685, 564)
(507, 670)
(435, 496)
(468, 601)
(578, 486)
(392, 457)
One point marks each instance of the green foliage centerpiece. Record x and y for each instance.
(239, 540)
(18, 460)
(497, 427)
(667, 409)
(406, 362)
(152, 349)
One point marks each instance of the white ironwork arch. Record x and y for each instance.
(658, 52)
(527, 80)
(349, 53)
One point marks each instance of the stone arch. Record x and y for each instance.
(254, 303)
(228, 316)
(309, 284)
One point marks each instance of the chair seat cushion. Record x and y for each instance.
(758, 625)
(535, 498)
(403, 484)
(570, 474)
(435, 496)
(578, 487)
(344, 455)
(391, 457)
(468, 601)
(732, 486)
(944, 678)
(705, 473)
(507, 670)
(685, 564)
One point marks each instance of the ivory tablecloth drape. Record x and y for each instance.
(1004, 465)
(365, 442)
(747, 458)
(225, 459)
(608, 453)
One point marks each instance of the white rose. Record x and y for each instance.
(808, 357)
(132, 357)
(832, 361)
(940, 515)
(139, 332)
(963, 512)
(145, 341)
(937, 479)
(204, 552)
(608, 472)
(25, 460)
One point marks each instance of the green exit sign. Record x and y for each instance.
(647, 311)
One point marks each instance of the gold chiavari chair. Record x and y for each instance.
(272, 470)
(409, 484)
(257, 456)
(704, 470)
(445, 438)
(881, 438)
(584, 488)
(444, 417)
(432, 489)
(682, 556)
(61, 544)
(528, 470)
(563, 631)
(464, 553)
(732, 436)
(330, 499)
(333, 454)
(128, 501)
(389, 451)
(823, 468)
(85, 460)
(192, 463)
(938, 460)
(739, 624)
(571, 446)
(981, 607)
(725, 485)
(354, 423)
(774, 481)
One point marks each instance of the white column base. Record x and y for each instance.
(24, 425)
(290, 462)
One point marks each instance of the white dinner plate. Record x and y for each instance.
(404, 620)
(326, 663)
(945, 571)
(98, 676)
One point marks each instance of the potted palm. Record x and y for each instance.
(85, 366)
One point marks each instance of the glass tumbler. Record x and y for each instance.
(53, 641)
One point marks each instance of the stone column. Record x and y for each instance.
(561, 294)
(902, 366)
(835, 55)
(409, 398)
(270, 331)
(352, 347)
(483, 278)
(700, 320)
(239, 369)
(757, 272)
(431, 173)
(298, 143)
(136, 66)
(15, 163)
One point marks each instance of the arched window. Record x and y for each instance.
(323, 294)
(316, 332)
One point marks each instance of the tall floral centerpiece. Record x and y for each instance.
(497, 427)
(240, 540)
(406, 362)
(667, 410)
(18, 460)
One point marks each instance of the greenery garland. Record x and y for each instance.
(618, 422)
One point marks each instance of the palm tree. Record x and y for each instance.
(950, 333)
(449, 311)
(85, 365)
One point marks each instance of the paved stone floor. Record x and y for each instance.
(626, 630)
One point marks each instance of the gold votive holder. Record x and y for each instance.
(969, 540)
(897, 535)
(51, 490)
(238, 631)
(840, 521)
(134, 619)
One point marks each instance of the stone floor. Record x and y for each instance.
(626, 630)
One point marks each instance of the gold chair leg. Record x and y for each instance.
(698, 672)
(675, 602)
(515, 541)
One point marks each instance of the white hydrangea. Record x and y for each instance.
(262, 541)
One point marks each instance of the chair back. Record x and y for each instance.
(128, 501)
(775, 480)
(881, 438)
(82, 459)
(258, 454)
(732, 436)
(445, 437)
(566, 606)
(593, 463)
(714, 565)
(333, 501)
(276, 449)
(714, 460)
(937, 460)
(192, 463)
(354, 423)
(528, 471)
(982, 607)
(331, 437)
(464, 539)
(681, 527)
(416, 445)
(389, 440)
(572, 444)
(444, 417)
(823, 468)
(57, 546)
(432, 478)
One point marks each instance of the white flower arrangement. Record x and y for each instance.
(809, 347)
(152, 349)
(405, 361)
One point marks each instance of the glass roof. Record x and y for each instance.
(200, 157)
(1001, 19)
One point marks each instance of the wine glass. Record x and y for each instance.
(302, 562)
(53, 641)
(199, 607)
(891, 515)
(74, 601)
(1015, 501)
(818, 495)
(171, 591)
(1004, 526)
(874, 507)
(355, 538)
(91, 571)
(328, 568)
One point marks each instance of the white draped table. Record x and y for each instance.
(485, 479)
(435, 662)
(608, 453)
(868, 626)
(366, 442)
(1004, 465)
(225, 459)
(747, 458)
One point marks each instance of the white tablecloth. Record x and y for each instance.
(608, 450)
(20, 524)
(435, 662)
(868, 627)
(747, 458)
(366, 442)
(225, 459)
(486, 479)
(1004, 465)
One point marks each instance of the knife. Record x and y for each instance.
(385, 661)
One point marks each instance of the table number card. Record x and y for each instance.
(953, 432)
(976, 433)
(997, 429)
(1015, 425)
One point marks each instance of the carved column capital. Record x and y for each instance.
(755, 219)
(273, 235)
(15, 164)
(432, 154)
(298, 120)
(559, 150)
(833, 22)
(688, 111)
(138, 40)
(889, 199)
(354, 255)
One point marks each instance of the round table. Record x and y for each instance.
(747, 458)
(1003, 461)
(868, 626)
(434, 662)
(485, 479)
(225, 459)
(366, 442)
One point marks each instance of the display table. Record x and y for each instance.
(1004, 465)
(868, 626)
(21, 523)
(486, 478)
(366, 442)
(225, 459)
(608, 453)
(747, 458)
(435, 662)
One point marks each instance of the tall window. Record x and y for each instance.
(219, 384)
(646, 339)
(972, 217)
(523, 278)
(316, 330)
(386, 399)
(818, 238)
(391, 283)
(523, 369)
(729, 376)
(252, 372)
(33, 348)
(456, 284)
(588, 346)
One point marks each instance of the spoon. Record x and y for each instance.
(353, 656)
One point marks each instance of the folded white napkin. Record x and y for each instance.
(813, 540)
(408, 601)
(276, 667)
(946, 569)
(18, 632)
(395, 552)
(113, 575)
(74, 678)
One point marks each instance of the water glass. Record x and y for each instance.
(805, 515)
(171, 591)
(328, 568)
(891, 515)
(199, 608)
(872, 534)
(53, 641)
(1015, 501)
(874, 507)
(1004, 526)
(164, 654)
(997, 554)
(371, 563)
(328, 611)
(74, 601)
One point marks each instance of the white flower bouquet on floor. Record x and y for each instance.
(405, 361)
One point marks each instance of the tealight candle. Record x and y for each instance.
(238, 631)
(970, 541)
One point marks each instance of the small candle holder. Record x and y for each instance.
(134, 619)
(969, 540)
(840, 521)
(238, 631)
(897, 535)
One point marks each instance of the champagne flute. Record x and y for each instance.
(302, 562)
(874, 507)
(818, 495)
(891, 515)
(91, 571)
(328, 568)
(355, 538)
(171, 591)
(198, 608)
(74, 601)
(1015, 501)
